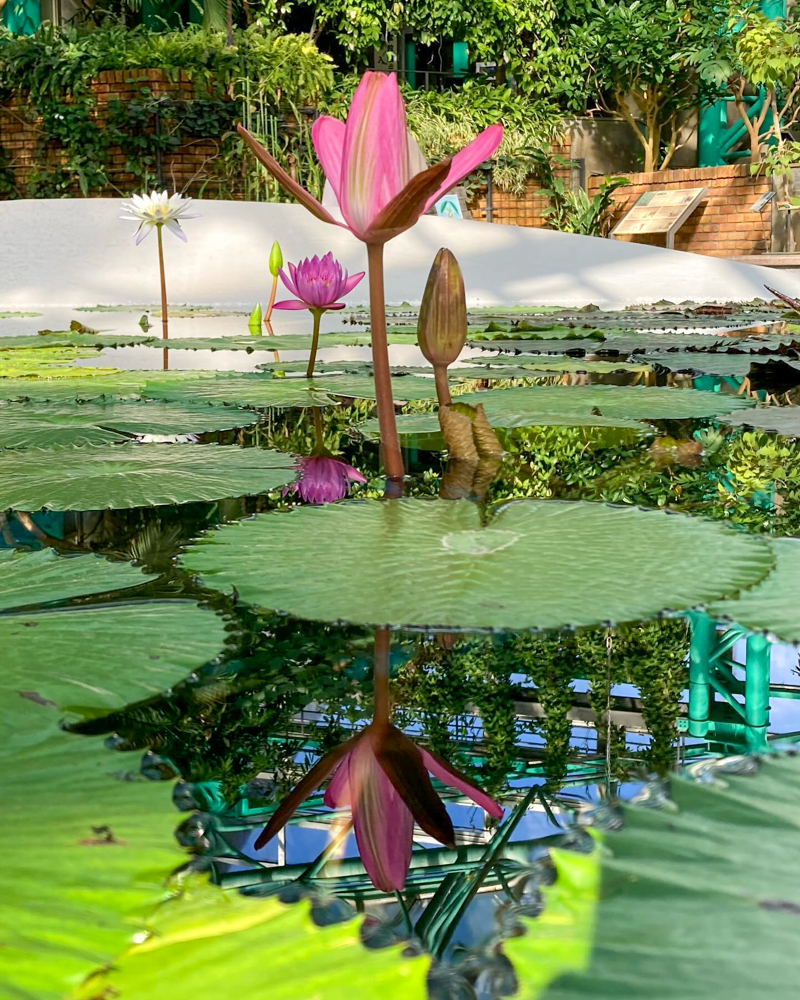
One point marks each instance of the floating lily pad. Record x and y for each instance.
(42, 577)
(287, 342)
(701, 363)
(250, 390)
(73, 338)
(363, 386)
(772, 606)
(679, 884)
(536, 564)
(135, 651)
(609, 405)
(574, 347)
(34, 425)
(136, 475)
(773, 419)
(80, 384)
(17, 315)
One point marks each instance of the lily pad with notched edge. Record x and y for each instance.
(681, 883)
(288, 342)
(249, 390)
(37, 425)
(772, 419)
(773, 605)
(536, 564)
(42, 577)
(136, 475)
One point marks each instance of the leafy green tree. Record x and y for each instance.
(641, 56)
(762, 54)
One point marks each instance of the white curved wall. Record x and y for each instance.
(73, 252)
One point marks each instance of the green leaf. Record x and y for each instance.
(42, 577)
(772, 605)
(251, 390)
(363, 386)
(136, 475)
(536, 564)
(136, 651)
(230, 945)
(681, 884)
(773, 419)
(32, 425)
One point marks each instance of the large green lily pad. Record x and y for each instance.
(773, 605)
(229, 945)
(288, 342)
(34, 425)
(42, 577)
(536, 564)
(250, 390)
(773, 419)
(682, 885)
(131, 652)
(136, 475)
(72, 338)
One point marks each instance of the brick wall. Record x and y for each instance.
(520, 209)
(723, 225)
(182, 167)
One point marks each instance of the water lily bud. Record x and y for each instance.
(254, 323)
(442, 325)
(275, 259)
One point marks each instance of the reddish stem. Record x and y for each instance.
(270, 304)
(442, 385)
(380, 677)
(392, 458)
(164, 317)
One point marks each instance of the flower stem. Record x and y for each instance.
(380, 676)
(442, 385)
(317, 314)
(270, 304)
(164, 316)
(392, 458)
(318, 429)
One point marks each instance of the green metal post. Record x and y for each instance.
(460, 59)
(711, 129)
(411, 63)
(22, 17)
(756, 691)
(704, 637)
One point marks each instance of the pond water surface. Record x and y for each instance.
(644, 768)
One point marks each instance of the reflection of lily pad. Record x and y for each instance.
(136, 475)
(773, 419)
(773, 605)
(32, 425)
(358, 562)
(42, 577)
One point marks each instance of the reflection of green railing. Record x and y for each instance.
(730, 725)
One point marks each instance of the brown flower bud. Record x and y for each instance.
(442, 325)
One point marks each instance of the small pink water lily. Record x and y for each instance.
(324, 479)
(318, 284)
(379, 178)
(383, 777)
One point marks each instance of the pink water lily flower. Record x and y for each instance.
(318, 284)
(379, 178)
(383, 777)
(324, 479)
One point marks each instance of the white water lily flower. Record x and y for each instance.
(155, 209)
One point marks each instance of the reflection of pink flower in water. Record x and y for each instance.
(383, 777)
(318, 284)
(324, 479)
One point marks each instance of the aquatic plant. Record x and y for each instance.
(318, 284)
(324, 479)
(382, 187)
(275, 264)
(154, 211)
(383, 776)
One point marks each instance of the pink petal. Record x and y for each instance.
(291, 304)
(467, 159)
(336, 305)
(337, 794)
(448, 775)
(351, 282)
(288, 282)
(328, 134)
(383, 824)
(285, 180)
(354, 475)
(375, 164)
